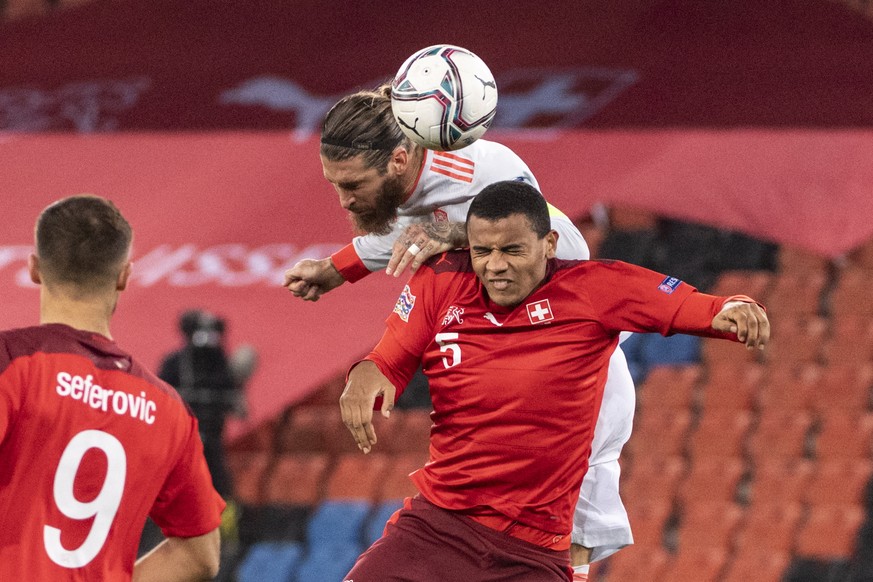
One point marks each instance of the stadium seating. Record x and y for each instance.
(704, 523)
(790, 386)
(796, 293)
(375, 524)
(844, 434)
(712, 479)
(845, 388)
(851, 295)
(669, 388)
(327, 562)
(720, 433)
(829, 532)
(780, 433)
(660, 433)
(248, 469)
(780, 480)
(273, 561)
(637, 562)
(314, 429)
(697, 564)
(756, 565)
(653, 478)
(839, 482)
(338, 521)
(356, 476)
(297, 479)
(755, 284)
(411, 431)
(850, 341)
(731, 389)
(796, 339)
(769, 527)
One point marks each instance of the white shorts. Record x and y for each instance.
(600, 521)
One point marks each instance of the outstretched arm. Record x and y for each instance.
(310, 279)
(181, 560)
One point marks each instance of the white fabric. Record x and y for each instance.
(600, 521)
(485, 162)
(599, 511)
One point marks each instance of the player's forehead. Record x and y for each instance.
(515, 229)
(352, 169)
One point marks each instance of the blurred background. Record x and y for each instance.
(727, 143)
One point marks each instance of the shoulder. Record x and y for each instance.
(450, 262)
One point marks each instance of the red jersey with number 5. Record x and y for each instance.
(90, 444)
(516, 391)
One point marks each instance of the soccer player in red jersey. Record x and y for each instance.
(408, 204)
(90, 441)
(516, 345)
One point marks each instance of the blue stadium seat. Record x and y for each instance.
(376, 524)
(328, 561)
(273, 561)
(645, 351)
(338, 521)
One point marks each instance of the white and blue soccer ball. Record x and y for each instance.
(444, 97)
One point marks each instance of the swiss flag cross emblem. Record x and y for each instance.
(540, 311)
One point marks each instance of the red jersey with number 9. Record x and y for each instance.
(90, 444)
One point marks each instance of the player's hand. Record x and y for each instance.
(747, 320)
(310, 279)
(365, 383)
(419, 242)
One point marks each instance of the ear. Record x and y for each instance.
(33, 269)
(124, 276)
(399, 161)
(551, 239)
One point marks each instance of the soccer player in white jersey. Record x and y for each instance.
(409, 204)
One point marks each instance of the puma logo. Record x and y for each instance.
(485, 84)
(490, 317)
(411, 127)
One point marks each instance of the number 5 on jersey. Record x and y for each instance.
(447, 345)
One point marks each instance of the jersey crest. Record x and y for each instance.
(540, 311)
(454, 313)
(404, 304)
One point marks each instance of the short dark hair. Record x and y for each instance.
(503, 199)
(82, 240)
(362, 124)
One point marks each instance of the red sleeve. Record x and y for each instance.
(9, 392)
(631, 298)
(349, 264)
(409, 330)
(188, 505)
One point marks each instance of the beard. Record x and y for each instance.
(378, 219)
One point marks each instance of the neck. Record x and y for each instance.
(91, 313)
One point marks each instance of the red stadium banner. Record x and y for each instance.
(269, 64)
(219, 217)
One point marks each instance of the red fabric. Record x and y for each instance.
(423, 542)
(138, 447)
(515, 404)
(349, 265)
(220, 217)
(643, 63)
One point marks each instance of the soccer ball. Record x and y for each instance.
(444, 97)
